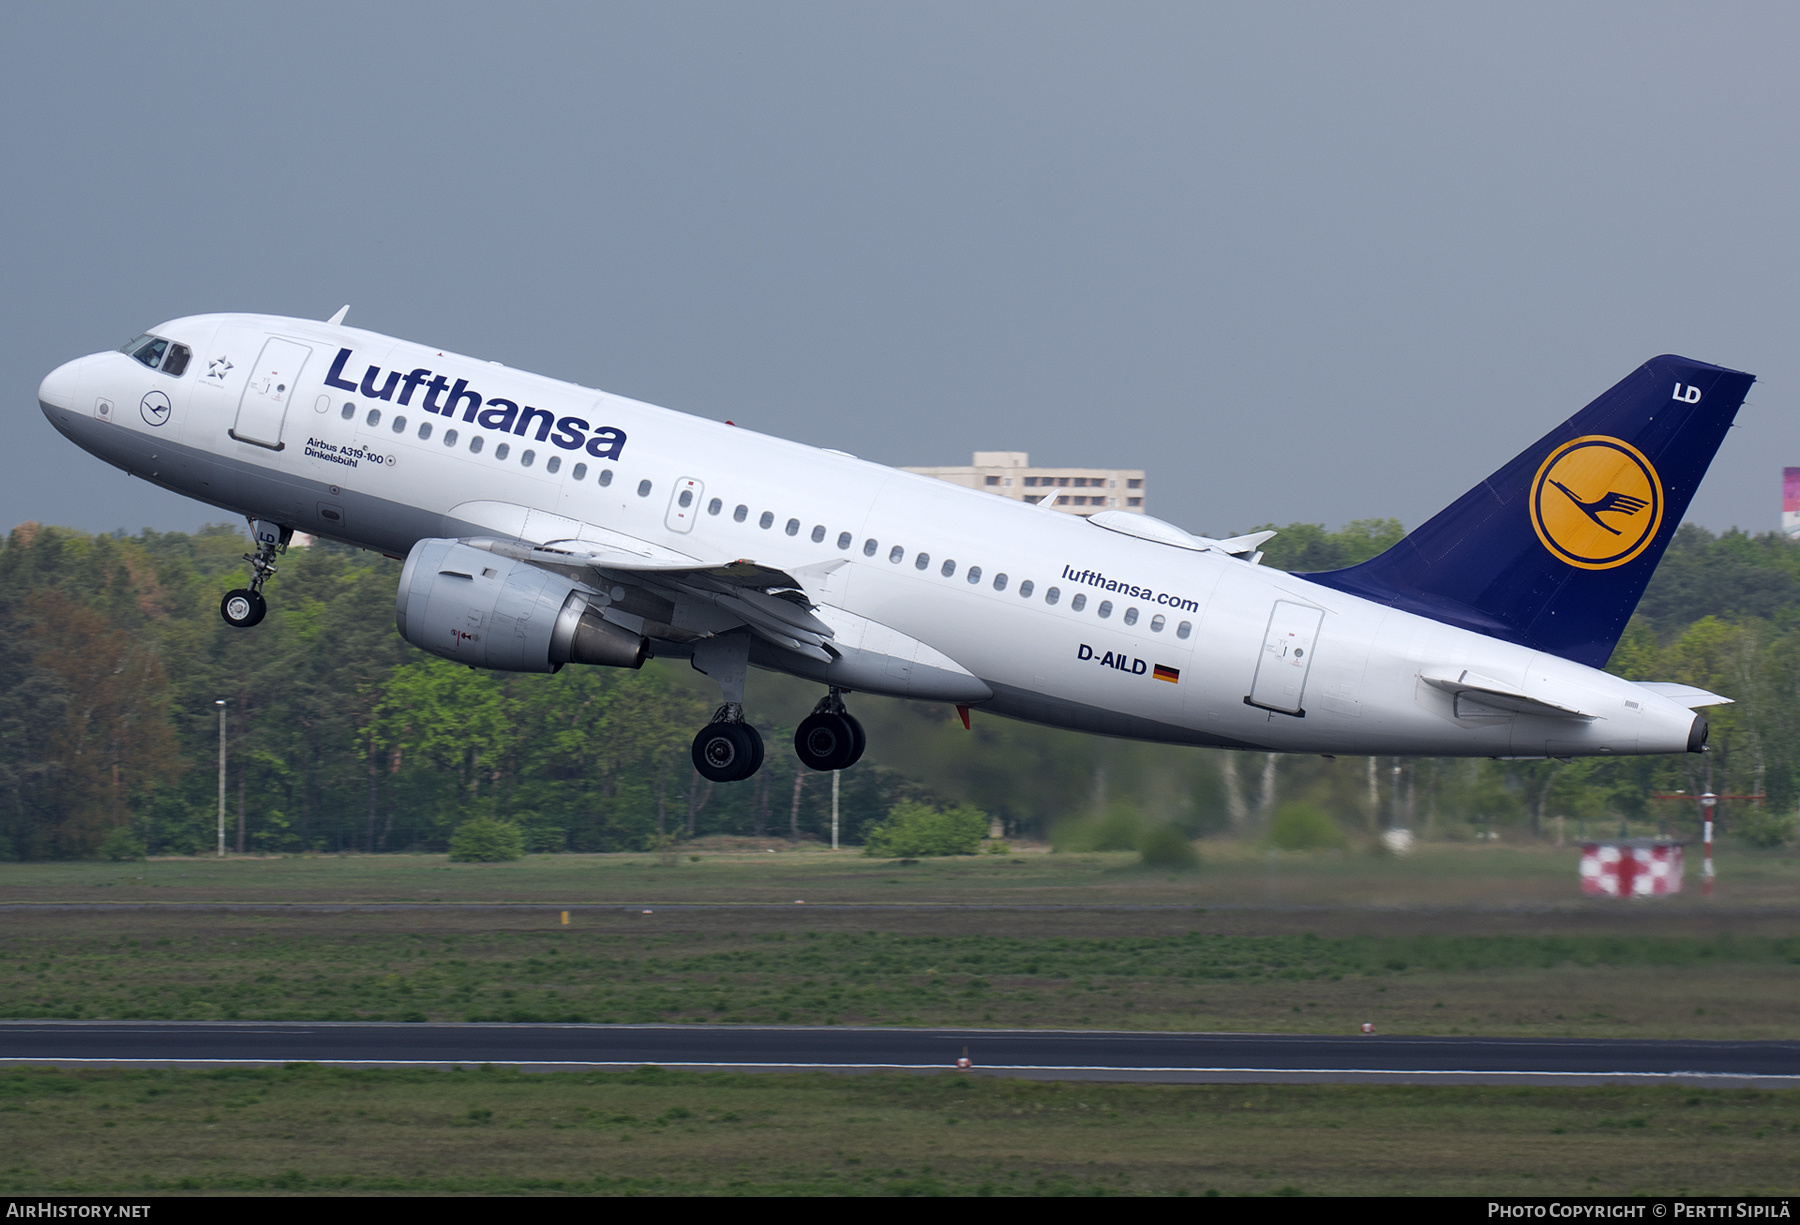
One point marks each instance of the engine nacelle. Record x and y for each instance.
(488, 611)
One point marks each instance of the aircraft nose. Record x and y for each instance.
(59, 387)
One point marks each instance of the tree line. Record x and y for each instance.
(340, 736)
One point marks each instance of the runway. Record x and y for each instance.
(1178, 1058)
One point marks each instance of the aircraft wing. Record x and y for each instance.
(771, 603)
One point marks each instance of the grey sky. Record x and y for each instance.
(1301, 262)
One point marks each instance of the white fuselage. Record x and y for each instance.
(1140, 639)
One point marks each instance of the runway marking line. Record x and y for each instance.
(929, 1067)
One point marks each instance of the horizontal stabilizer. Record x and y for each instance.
(1684, 695)
(1497, 695)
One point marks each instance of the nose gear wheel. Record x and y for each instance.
(245, 606)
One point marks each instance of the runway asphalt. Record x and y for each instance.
(1039, 1054)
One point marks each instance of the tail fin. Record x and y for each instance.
(1554, 550)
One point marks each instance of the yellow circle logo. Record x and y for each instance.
(1596, 502)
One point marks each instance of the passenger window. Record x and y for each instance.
(578, 472)
(767, 521)
(741, 513)
(424, 429)
(1025, 590)
(177, 360)
(374, 417)
(869, 547)
(1131, 616)
(449, 438)
(818, 533)
(714, 507)
(974, 574)
(1105, 609)
(1078, 601)
(349, 409)
(474, 443)
(1052, 596)
(895, 554)
(399, 425)
(999, 582)
(526, 458)
(793, 527)
(553, 463)
(843, 540)
(922, 561)
(501, 451)
(686, 499)
(605, 477)
(643, 489)
(1184, 629)
(948, 569)
(1157, 623)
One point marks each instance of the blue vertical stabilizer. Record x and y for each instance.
(1554, 550)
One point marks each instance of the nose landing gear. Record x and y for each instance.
(245, 606)
(830, 738)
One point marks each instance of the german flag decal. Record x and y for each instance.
(1163, 672)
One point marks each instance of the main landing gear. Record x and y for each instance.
(245, 606)
(830, 738)
(728, 750)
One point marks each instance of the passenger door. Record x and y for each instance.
(1287, 652)
(273, 383)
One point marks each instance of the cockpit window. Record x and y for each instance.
(147, 349)
(158, 354)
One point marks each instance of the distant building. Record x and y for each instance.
(1077, 491)
(1790, 503)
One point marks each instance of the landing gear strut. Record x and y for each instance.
(245, 606)
(727, 750)
(830, 738)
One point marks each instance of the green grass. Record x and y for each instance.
(1452, 875)
(311, 1130)
(1056, 969)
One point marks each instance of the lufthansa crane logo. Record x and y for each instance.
(1596, 502)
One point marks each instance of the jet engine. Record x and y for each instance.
(487, 611)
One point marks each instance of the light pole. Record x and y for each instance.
(1707, 802)
(220, 703)
(834, 808)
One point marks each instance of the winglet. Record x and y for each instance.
(339, 317)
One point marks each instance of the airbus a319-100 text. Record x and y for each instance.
(545, 524)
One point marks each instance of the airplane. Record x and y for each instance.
(543, 523)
